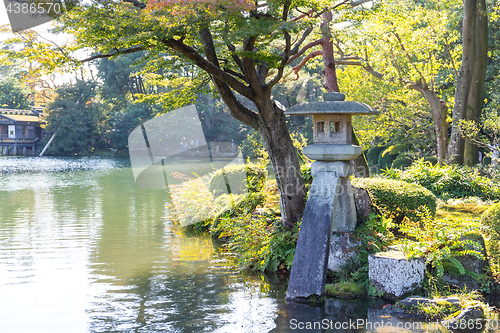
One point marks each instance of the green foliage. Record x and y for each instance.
(397, 199)
(447, 181)
(373, 154)
(345, 289)
(431, 159)
(441, 242)
(243, 178)
(491, 219)
(305, 170)
(385, 160)
(253, 149)
(14, 94)
(258, 242)
(401, 162)
(438, 310)
(77, 124)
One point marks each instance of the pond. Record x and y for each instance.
(83, 249)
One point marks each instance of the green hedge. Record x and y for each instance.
(386, 160)
(373, 153)
(491, 219)
(401, 162)
(248, 178)
(447, 181)
(397, 199)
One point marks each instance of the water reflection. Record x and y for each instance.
(89, 251)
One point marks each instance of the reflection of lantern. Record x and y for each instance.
(330, 204)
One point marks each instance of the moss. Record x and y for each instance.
(345, 289)
(397, 199)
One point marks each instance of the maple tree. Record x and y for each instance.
(242, 46)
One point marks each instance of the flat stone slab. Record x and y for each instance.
(308, 273)
(327, 152)
(393, 275)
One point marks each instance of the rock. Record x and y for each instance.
(393, 275)
(416, 300)
(413, 301)
(471, 264)
(343, 247)
(364, 205)
(468, 314)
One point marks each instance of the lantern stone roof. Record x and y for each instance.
(333, 104)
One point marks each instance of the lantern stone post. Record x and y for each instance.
(330, 205)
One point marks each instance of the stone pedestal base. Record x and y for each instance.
(393, 275)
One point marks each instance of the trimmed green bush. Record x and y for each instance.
(373, 154)
(397, 199)
(431, 159)
(401, 162)
(243, 178)
(386, 160)
(491, 219)
(447, 181)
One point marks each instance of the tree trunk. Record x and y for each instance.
(276, 138)
(475, 98)
(331, 85)
(439, 112)
(464, 80)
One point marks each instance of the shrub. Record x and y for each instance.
(447, 181)
(491, 219)
(259, 243)
(397, 199)
(431, 159)
(401, 162)
(385, 160)
(373, 154)
(243, 178)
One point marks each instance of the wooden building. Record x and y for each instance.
(20, 131)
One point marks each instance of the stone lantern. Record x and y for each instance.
(330, 205)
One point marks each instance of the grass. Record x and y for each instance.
(460, 211)
(344, 289)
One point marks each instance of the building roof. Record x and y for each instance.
(21, 117)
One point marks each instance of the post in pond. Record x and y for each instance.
(330, 205)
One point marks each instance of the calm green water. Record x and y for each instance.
(83, 249)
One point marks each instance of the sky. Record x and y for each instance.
(41, 29)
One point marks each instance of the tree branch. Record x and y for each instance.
(286, 52)
(304, 49)
(117, 52)
(249, 66)
(311, 55)
(306, 33)
(238, 110)
(209, 67)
